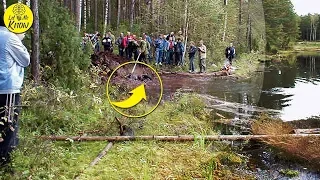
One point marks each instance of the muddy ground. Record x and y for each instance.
(108, 62)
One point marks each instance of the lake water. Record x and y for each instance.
(293, 88)
(287, 89)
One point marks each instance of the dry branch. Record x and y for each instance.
(102, 154)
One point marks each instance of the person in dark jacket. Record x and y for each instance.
(170, 51)
(192, 54)
(179, 48)
(121, 45)
(230, 53)
(107, 43)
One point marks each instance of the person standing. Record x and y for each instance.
(179, 36)
(149, 45)
(112, 37)
(128, 48)
(120, 44)
(143, 50)
(14, 57)
(202, 57)
(96, 42)
(170, 51)
(179, 49)
(107, 43)
(159, 45)
(165, 50)
(192, 53)
(230, 53)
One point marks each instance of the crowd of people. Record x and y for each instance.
(164, 49)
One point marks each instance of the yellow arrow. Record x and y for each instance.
(138, 94)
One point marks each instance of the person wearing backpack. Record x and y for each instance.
(192, 54)
(230, 53)
(107, 43)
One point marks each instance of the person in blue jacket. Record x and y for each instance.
(14, 57)
(159, 45)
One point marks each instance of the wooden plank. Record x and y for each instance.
(173, 138)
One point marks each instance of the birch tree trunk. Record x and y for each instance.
(89, 8)
(225, 26)
(109, 12)
(132, 14)
(119, 13)
(35, 55)
(65, 3)
(95, 15)
(186, 18)
(151, 15)
(78, 14)
(85, 15)
(106, 16)
(28, 3)
(4, 2)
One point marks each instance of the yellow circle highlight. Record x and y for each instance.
(18, 18)
(160, 97)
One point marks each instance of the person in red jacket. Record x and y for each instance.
(128, 49)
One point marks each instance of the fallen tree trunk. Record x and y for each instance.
(173, 138)
(211, 74)
(307, 131)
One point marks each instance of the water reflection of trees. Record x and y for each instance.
(285, 74)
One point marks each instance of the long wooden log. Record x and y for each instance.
(210, 74)
(173, 138)
(307, 131)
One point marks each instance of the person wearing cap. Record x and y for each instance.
(14, 57)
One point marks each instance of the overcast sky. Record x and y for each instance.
(304, 7)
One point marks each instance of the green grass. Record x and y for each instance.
(246, 64)
(52, 110)
(304, 46)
